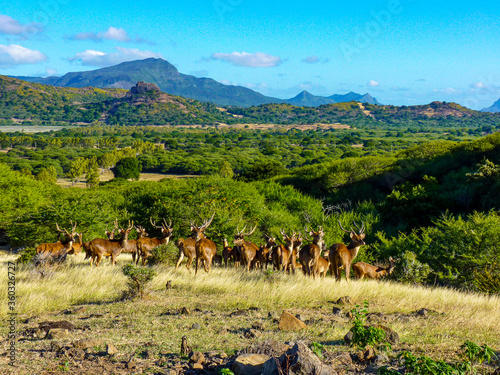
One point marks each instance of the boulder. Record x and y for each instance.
(57, 333)
(344, 301)
(142, 87)
(288, 322)
(111, 349)
(47, 326)
(299, 360)
(88, 343)
(391, 336)
(249, 364)
(197, 357)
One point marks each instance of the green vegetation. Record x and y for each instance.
(364, 335)
(138, 279)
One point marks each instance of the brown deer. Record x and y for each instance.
(266, 250)
(282, 255)
(362, 269)
(205, 248)
(146, 245)
(59, 248)
(309, 255)
(132, 245)
(341, 256)
(248, 251)
(99, 247)
(227, 253)
(323, 264)
(187, 247)
(77, 246)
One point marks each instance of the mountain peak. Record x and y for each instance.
(494, 108)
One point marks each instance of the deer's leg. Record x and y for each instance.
(181, 257)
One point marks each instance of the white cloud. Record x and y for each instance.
(14, 54)
(314, 60)
(49, 72)
(102, 59)
(478, 85)
(254, 60)
(10, 26)
(449, 91)
(373, 84)
(112, 33)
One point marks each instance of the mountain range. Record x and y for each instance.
(494, 108)
(169, 80)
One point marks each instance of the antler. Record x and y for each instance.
(165, 224)
(249, 233)
(238, 232)
(305, 236)
(59, 229)
(345, 230)
(153, 223)
(207, 222)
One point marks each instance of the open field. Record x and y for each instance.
(225, 304)
(32, 129)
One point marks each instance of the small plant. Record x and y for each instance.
(477, 354)
(226, 371)
(363, 335)
(139, 277)
(65, 367)
(317, 349)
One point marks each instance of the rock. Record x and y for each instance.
(380, 359)
(171, 372)
(131, 364)
(195, 326)
(111, 349)
(259, 326)
(344, 301)
(47, 326)
(249, 364)
(197, 366)
(391, 336)
(142, 87)
(288, 322)
(56, 346)
(223, 355)
(253, 333)
(299, 360)
(369, 353)
(348, 337)
(422, 312)
(185, 311)
(88, 343)
(57, 333)
(168, 285)
(197, 357)
(336, 311)
(343, 359)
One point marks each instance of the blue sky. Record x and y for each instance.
(403, 52)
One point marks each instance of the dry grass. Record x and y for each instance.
(212, 298)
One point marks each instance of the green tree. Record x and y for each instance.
(225, 170)
(76, 169)
(47, 174)
(92, 175)
(128, 168)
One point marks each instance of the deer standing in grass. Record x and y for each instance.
(146, 245)
(99, 247)
(228, 253)
(324, 264)
(247, 250)
(265, 251)
(59, 248)
(205, 248)
(341, 256)
(362, 269)
(187, 247)
(309, 255)
(282, 255)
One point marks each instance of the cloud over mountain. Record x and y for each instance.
(102, 59)
(14, 54)
(10, 26)
(253, 60)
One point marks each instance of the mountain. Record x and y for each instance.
(494, 108)
(165, 76)
(306, 99)
(169, 80)
(353, 97)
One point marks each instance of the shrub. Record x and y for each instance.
(363, 335)
(164, 254)
(410, 270)
(27, 255)
(139, 277)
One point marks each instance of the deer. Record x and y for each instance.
(109, 234)
(323, 264)
(146, 245)
(132, 245)
(187, 247)
(248, 251)
(59, 248)
(362, 269)
(309, 255)
(99, 247)
(341, 256)
(77, 246)
(228, 253)
(205, 248)
(265, 251)
(282, 255)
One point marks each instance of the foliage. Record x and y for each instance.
(139, 277)
(163, 254)
(317, 349)
(128, 168)
(477, 354)
(26, 255)
(363, 335)
(226, 371)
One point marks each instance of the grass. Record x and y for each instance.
(212, 298)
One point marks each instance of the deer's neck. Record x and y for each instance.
(353, 249)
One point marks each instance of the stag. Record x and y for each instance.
(99, 247)
(228, 253)
(59, 248)
(187, 247)
(362, 269)
(282, 255)
(205, 248)
(77, 246)
(146, 245)
(265, 251)
(132, 245)
(341, 256)
(309, 255)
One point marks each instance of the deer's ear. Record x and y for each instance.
(352, 234)
(362, 236)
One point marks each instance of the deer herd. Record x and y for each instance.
(313, 257)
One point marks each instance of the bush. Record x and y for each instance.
(410, 270)
(363, 335)
(164, 254)
(139, 277)
(27, 255)
(128, 168)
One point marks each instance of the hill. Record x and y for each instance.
(306, 99)
(494, 108)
